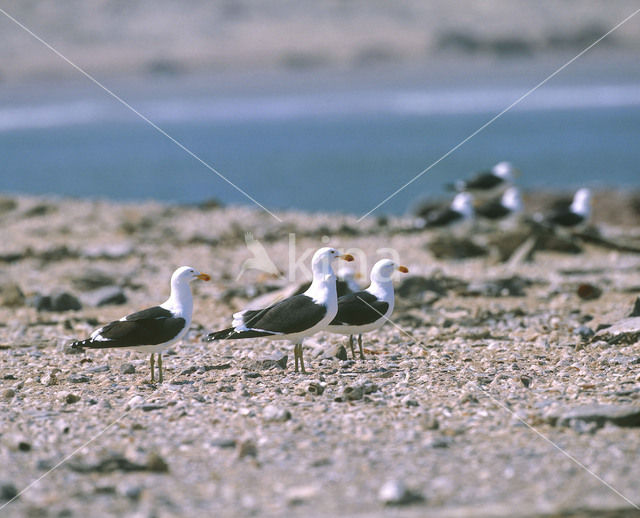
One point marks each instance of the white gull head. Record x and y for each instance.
(463, 203)
(504, 170)
(512, 200)
(581, 203)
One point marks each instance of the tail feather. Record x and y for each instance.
(219, 335)
(81, 344)
(231, 334)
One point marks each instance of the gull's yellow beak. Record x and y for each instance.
(203, 277)
(403, 269)
(346, 257)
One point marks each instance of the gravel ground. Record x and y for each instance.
(464, 407)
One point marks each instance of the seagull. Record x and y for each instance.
(461, 209)
(487, 184)
(509, 203)
(153, 329)
(369, 309)
(575, 214)
(295, 317)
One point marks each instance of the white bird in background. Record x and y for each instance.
(574, 215)
(460, 210)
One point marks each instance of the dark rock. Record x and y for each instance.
(247, 448)
(277, 359)
(127, 368)
(8, 393)
(78, 378)
(218, 367)
(7, 491)
(585, 332)
(351, 393)
(599, 415)
(625, 331)
(635, 312)
(338, 352)
(60, 301)
(588, 291)
(149, 407)
(99, 368)
(71, 398)
(41, 209)
(104, 296)
(449, 247)
(11, 295)
(7, 204)
(526, 380)
(117, 462)
(223, 443)
(156, 464)
(189, 370)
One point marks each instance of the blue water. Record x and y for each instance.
(344, 151)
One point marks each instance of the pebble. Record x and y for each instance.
(8, 393)
(247, 448)
(11, 295)
(134, 402)
(127, 368)
(395, 492)
(50, 379)
(99, 368)
(277, 359)
(625, 331)
(78, 378)
(156, 463)
(7, 491)
(275, 414)
(71, 398)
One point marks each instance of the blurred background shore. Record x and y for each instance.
(304, 104)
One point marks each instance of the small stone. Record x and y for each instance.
(11, 295)
(99, 368)
(408, 401)
(635, 312)
(128, 368)
(8, 393)
(247, 448)
(78, 378)
(134, 402)
(275, 414)
(189, 370)
(340, 353)
(63, 301)
(149, 407)
(277, 359)
(50, 379)
(301, 494)
(525, 380)
(156, 463)
(395, 492)
(351, 393)
(223, 443)
(7, 491)
(71, 398)
(132, 492)
(588, 291)
(585, 332)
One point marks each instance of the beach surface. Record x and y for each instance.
(488, 395)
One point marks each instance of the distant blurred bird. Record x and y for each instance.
(490, 183)
(573, 215)
(508, 204)
(461, 209)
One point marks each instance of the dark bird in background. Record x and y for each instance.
(577, 213)
(488, 184)
(500, 208)
(460, 210)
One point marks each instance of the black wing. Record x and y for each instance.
(565, 219)
(150, 326)
(442, 218)
(493, 210)
(359, 308)
(484, 181)
(291, 315)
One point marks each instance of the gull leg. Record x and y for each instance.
(360, 346)
(301, 359)
(152, 365)
(160, 377)
(295, 356)
(353, 351)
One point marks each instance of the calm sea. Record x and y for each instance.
(336, 149)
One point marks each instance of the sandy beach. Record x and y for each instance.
(463, 407)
